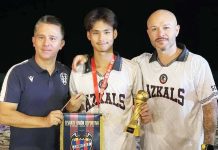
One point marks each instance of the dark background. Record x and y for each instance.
(198, 21)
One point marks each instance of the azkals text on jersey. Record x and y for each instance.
(176, 95)
(109, 98)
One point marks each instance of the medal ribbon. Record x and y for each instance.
(104, 83)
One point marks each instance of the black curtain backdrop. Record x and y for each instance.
(198, 21)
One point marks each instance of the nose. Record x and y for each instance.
(160, 32)
(46, 41)
(101, 37)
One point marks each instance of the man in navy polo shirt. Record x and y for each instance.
(35, 90)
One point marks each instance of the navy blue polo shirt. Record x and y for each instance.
(37, 93)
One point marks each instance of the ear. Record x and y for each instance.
(148, 33)
(88, 35)
(33, 41)
(62, 44)
(177, 30)
(115, 33)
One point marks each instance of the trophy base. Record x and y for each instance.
(133, 129)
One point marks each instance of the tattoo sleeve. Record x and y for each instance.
(210, 122)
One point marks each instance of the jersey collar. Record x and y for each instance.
(117, 64)
(182, 57)
(38, 69)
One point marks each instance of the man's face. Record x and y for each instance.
(162, 31)
(47, 41)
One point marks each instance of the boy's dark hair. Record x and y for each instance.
(100, 13)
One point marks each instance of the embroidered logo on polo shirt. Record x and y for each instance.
(64, 78)
(31, 78)
(163, 78)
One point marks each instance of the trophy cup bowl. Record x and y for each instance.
(134, 124)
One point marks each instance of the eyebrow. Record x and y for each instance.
(45, 35)
(102, 30)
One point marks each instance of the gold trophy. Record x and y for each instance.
(134, 124)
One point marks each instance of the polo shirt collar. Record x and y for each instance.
(117, 64)
(38, 69)
(182, 57)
